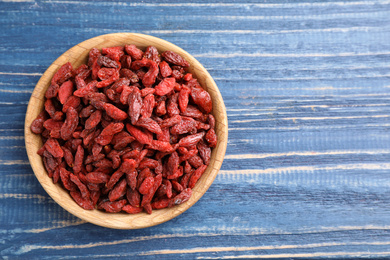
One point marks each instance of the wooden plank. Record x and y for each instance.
(306, 85)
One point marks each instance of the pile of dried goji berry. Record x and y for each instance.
(129, 131)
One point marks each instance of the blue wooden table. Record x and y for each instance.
(307, 90)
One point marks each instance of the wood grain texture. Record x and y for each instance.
(306, 87)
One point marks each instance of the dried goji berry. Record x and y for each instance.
(84, 91)
(149, 124)
(195, 161)
(161, 146)
(131, 178)
(135, 105)
(73, 102)
(178, 173)
(165, 69)
(202, 98)
(70, 124)
(211, 138)
(106, 62)
(186, 125)
(125, 61)
(196, 175)
(180, 198)
(114, 77)
(172, 105)
(161, 203)
(191, 140)
(148, 208)
(124, 97)
(68, 156)
(188, 155)
(65, 91)
(211, 121)
(95, 195)
(177, 186)
(65, 179)
(150, 77)
(53, 147)
(160, 108)
(118, 191)
(174, 58)
(37, 125)
(78, 159)
(121, 140)
(97, 177)
(114, 112)
(147, 198)
(93, 120)
(114, 53)
(108, 133)
(165, 86)
(131, 209)
(177, 75)
(147, 106)
(204, 152)
(52, 91)
(173, 163)
(129, 75)
(83, 189)
(134, 52)
(193, 112)
(103, 163)
(94, 53)
(183, 98)
(170, 121)
(82, 71)
(82, 202)
(64, 73)
(151, 53)
(114, 179)
(139, 135)
(147, 163)
(112, 206)
(147, 91)
(146, 185)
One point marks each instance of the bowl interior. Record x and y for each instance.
(77, 56)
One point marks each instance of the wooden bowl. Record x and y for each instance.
(77, 56)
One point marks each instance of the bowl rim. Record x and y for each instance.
(122, 220)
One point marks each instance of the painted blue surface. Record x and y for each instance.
(306, 85)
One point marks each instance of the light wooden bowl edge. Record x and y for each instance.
(122, 220)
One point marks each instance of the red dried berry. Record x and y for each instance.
(65, 91)
(134, 52)
(202, 99)
(165, 86)
(131, 209)
(135, 105)
(174, 58)
(54, 148)
(64, 73)
(149, 124)
(184, 196)
(114, 53)
(114, 112)
(139, 135)
(70, 124)
(37, 125)
(93, 120)
(118, 191)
